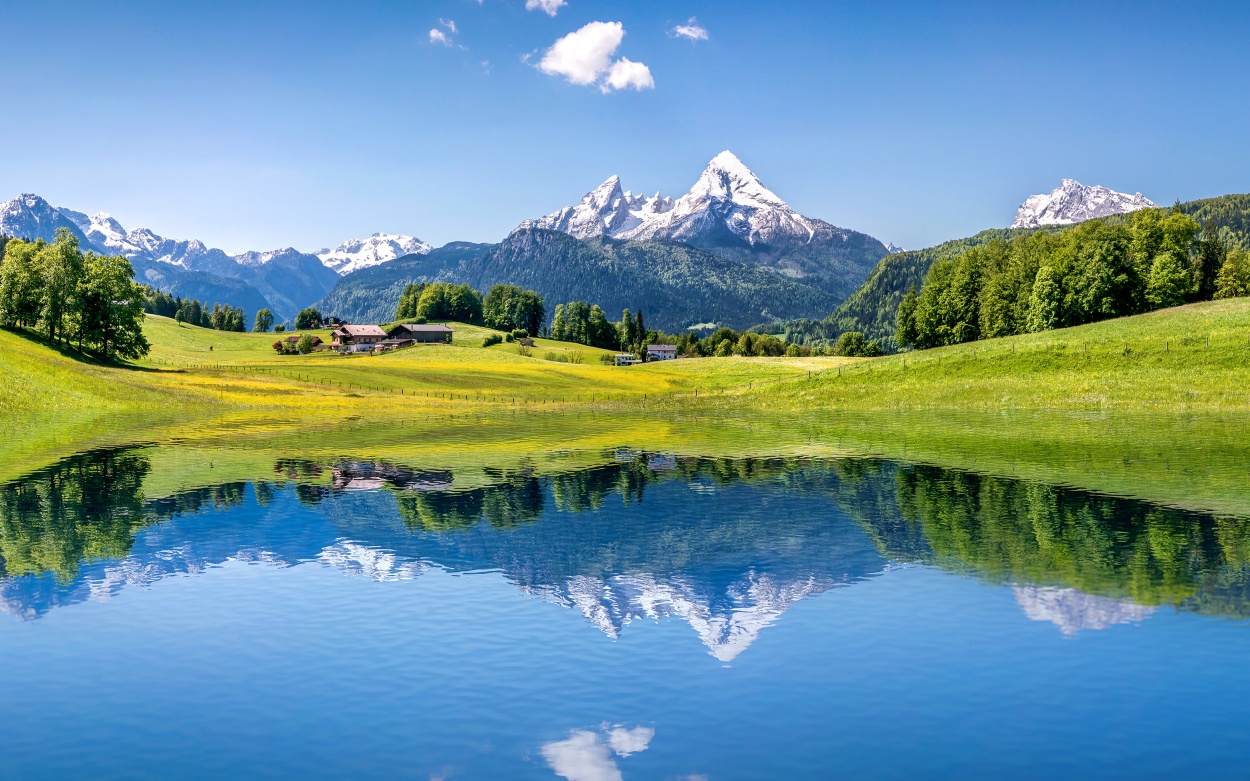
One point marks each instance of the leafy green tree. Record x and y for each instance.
(307, 318)
(218, 318)
(21, 285)
(1234, 278)
(853, 344)
(559, 326)
(905, 328)
(1044, 301)
(1169, 281)
(158, 302)
(1208, 262)
(406, 311)
(111, 308)
(264, 321)
(724, 348)
(61, 267)
(305, 344)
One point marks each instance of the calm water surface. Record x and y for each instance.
(649, 618)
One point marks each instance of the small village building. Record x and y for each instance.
(386, 345)
(423, 333)
(525, 341)
(661, 352)
(626, 359)
(356, 338)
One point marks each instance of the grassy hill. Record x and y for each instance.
(1156, 405)
(872, 308)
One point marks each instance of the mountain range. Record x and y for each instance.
(729, 251)
(283, 280)
(729, 213)
(1072, 202)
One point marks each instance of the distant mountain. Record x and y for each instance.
(355, 254)
(728, 212)
(675, 285)
(371, 294)
(30, 217)
(283, 281)
(1072, 202)
(873, 308)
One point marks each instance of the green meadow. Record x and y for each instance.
(1152, 406)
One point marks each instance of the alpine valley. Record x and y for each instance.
(728, 252)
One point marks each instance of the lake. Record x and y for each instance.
(632, 615)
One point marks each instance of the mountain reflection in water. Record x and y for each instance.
(727, 546)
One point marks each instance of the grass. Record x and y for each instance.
(1153, 406)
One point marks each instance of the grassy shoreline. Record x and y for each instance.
(1164, 419)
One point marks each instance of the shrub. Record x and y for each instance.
(518, 333)
(279, 328)
(607, 360)
(524, 351)
(491, 340)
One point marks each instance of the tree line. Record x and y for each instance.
(1094, 271)
(504, 308)
(192, 312)
(83, 300)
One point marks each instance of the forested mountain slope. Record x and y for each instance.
(873, 308)
(677, 286)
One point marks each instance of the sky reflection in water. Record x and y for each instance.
(649, 617)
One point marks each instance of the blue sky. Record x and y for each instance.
(257, 125)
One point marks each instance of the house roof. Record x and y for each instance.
(437, 328)
(362, 330)
(662, 347)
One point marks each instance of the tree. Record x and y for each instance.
(640, 330)
(305, 344)
(21, 285)
(558, 324)
(626, 328)
(307, 318)
(1208, 262)
(508, 307)
(61, 267)
(111, 308)
(407, 309)
(1234, 278)
(905, 329)
(1044, 302)
(853, 343)
(264, 321)
(1169, 282)
(218, 318)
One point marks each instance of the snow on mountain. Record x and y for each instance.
(727, 202)
(1072, 202)
(379, 248)
(30, 217)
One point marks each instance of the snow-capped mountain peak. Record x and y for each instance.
(1072, 202)
(727, 202)
(379, 248)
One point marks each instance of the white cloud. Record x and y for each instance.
(692, 30)
(585, 57)
(438, 36)
(627, 74)
(450, 24)
(548, 7)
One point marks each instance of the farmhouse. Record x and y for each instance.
(356, 338)
(661, 352)
(425, 333)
